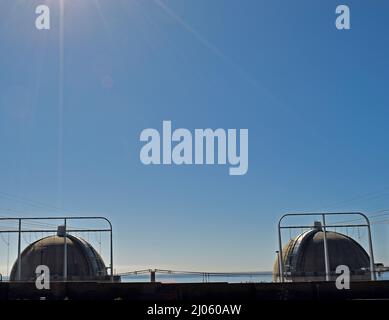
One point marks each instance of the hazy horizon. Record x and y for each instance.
(314, 100)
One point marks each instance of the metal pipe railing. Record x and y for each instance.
(326, 253)
(20, 230)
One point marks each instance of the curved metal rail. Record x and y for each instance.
(325, 226)
(19, 231)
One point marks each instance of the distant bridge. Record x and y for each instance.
(204, 274)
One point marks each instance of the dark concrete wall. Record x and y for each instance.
(194, 291)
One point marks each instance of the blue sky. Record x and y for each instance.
(314, 99)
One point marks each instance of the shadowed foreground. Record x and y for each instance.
(194, 291)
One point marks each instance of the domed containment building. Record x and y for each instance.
(83, 262)
(303, 257)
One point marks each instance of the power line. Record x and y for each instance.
(358, 197)
(371, 216)
(34, 203)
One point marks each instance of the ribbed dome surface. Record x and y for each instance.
(303, 257)
(84, 263)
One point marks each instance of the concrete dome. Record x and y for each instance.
(303, 257)
(84, 263)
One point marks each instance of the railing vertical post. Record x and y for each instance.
(326, 257)
(111, 262)
(372, 264)
(65, 253)
(280, 263)
(19, 250)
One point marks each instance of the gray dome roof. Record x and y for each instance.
(303, 256)
(84, 263)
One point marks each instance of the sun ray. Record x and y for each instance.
(215, 50)
(101, 14)
(60, 100)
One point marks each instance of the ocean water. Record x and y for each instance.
(182, 278)
(178, 278)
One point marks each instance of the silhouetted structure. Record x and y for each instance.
(83, 261)
(303, 257)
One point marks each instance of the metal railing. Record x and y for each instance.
(65, 220)
(325, 226)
